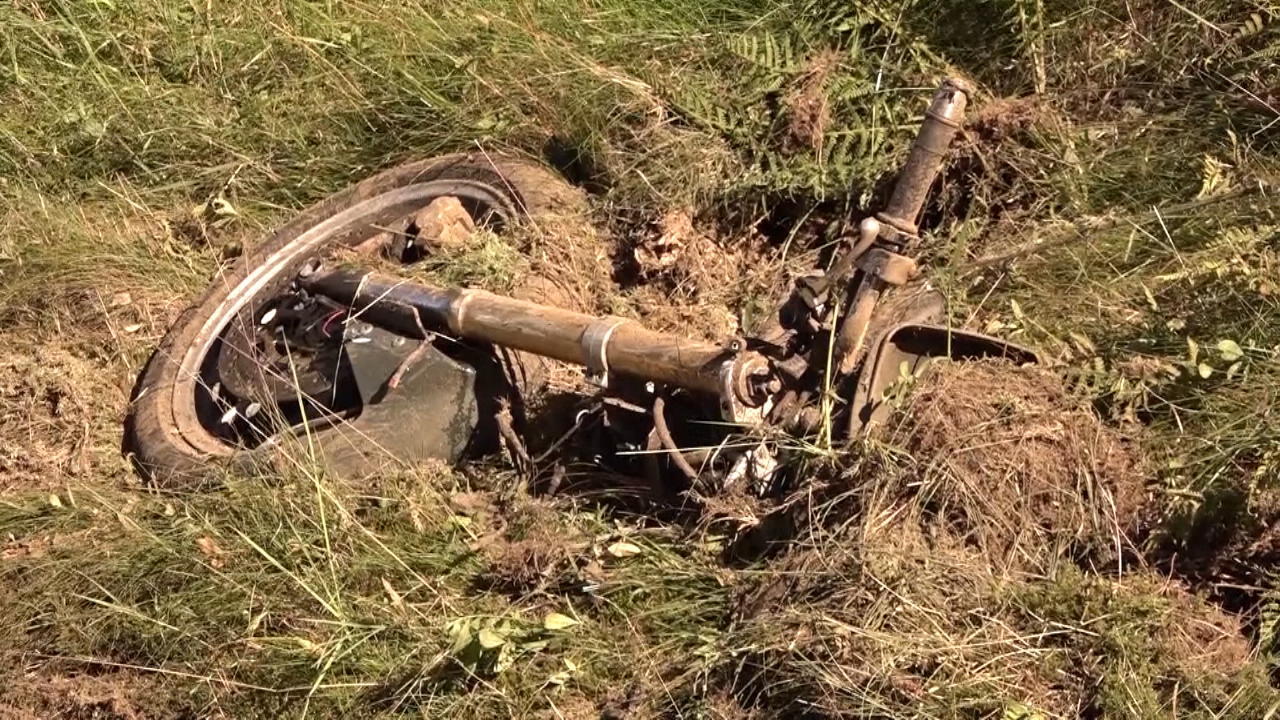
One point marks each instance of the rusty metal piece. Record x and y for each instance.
(921, 306)
(741, 399)
(868, 231)
(881, 266)
(853, 331)
(941, 123)
(882, 269)
(611, 344)
(803, 309)
(888, 266)
(663, 434)
(752, 379)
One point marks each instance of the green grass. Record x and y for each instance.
(144, 142)
(309, 594)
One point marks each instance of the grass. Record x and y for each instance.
(1119, 178)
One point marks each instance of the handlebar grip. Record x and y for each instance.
(941, 123)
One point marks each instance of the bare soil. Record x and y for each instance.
(113, 695)
(527, 551)
(690, 280)
(54, 404)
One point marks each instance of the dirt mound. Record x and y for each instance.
(1004, 118)
(528, 551)
(677, 276)
(53, 403)
(870, 618)
(978, 565)
(986, 465)
(1005, 460)
(110, 696)
(886, 610)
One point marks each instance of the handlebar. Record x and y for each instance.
(941, 123)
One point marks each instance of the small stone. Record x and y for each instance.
(444, 223)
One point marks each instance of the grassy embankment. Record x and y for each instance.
(1133, 144)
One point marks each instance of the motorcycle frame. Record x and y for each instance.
(751, 379)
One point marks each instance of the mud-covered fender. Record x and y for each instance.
(905, 350)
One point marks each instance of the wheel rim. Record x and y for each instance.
(260, 282)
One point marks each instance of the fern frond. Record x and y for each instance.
(1269, 623)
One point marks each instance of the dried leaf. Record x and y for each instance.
(1151, 299)
(556, 621)
(212, 552)
(623, 549)
(309, 647)
(460, 631)
(396, 601)
(1230, 350)
(490, 639)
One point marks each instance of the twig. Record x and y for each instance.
(578, 423)
(515, 446)
(408, 363)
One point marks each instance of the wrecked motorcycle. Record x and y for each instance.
(301, 343)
